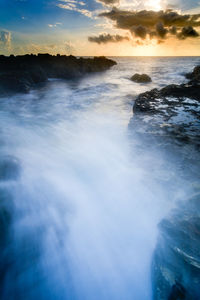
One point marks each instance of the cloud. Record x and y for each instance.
(105, 38)
(187, 32)
(74, 1)
(127, 19)
(173, 30)
(139, 31)
(161, 31)
(54, 25)
(109, 2)
(70, 48)
(74, 5)
(5, 38)
(65, 48)
(147, 24)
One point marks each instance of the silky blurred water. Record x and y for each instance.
(85, 207)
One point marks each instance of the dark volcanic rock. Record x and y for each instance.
(176, 261)
(173, 111)
(20, 73)
(195, 75)
(169, 119)
(141, 78)
(177, 292)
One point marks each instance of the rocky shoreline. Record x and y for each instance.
(21, 73)
(172, 112)
(169, 119)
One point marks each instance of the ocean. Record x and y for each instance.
(82, 216)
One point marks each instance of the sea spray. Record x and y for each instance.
(87, 201)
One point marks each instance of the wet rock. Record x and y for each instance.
(141, 78)
(190, 90)
(194, 76)
(177, 292)
(173, 111)
(176, 261)
(169, 120)
(9, 168)
(15, 82)
(20, 73)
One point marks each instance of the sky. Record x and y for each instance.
(100, 27)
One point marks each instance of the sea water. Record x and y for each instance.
(84, 210)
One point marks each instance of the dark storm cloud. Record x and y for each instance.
(172, 18)
(128, 19)
(139, 31)
(107, 38)
(161, 31)
(155, 24)
(187, 32)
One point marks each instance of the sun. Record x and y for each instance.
(154, 4)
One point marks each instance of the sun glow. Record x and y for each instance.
(154, 4)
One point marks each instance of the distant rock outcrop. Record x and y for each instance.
(20, 73)
(141, 78)
(173, 111)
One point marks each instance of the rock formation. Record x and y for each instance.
(169, 120)
(20, 73)
(141, 78)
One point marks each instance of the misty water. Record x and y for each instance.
(86, 205)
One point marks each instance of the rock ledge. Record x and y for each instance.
(20, 73)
